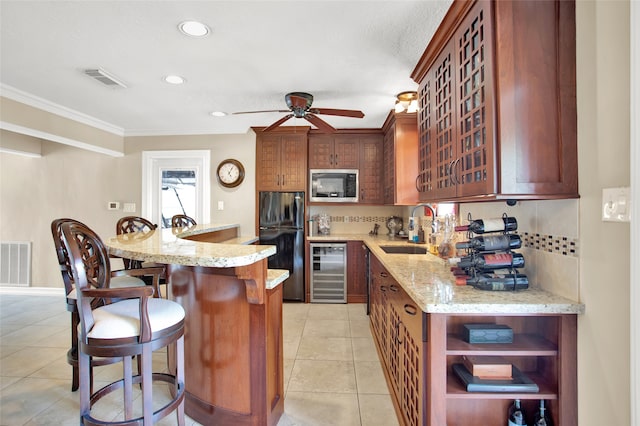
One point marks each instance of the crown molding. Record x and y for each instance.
(48, 106)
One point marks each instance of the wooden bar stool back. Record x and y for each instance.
(118, 279)
(135, 325)
(182, 221)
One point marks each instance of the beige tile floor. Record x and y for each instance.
(332, 372)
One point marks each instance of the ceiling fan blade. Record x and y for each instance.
(343, 112)
(319, 123)
(255, 112)
(277, 123)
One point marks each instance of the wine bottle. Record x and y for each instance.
(492, 243)
(482, 226)
(516, 414)
(542, 418)
(499, 282)
(491, 261)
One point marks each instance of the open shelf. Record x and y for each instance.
(456, 390)
(523, 345)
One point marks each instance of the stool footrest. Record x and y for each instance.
(88, 420)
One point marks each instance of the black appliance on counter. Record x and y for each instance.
(281, 223)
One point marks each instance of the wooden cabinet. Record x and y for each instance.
(544, 348)
(497, 98)
(281, 160)
(356, 273)
(398, 326)
(334, 151)
(360, 149)
(400, 164)
(418, 349)
(371, 169)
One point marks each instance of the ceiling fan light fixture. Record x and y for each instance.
(193, 28)
(407, 101)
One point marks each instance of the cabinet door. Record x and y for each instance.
(444, 122)
(345, 152)
(370, 177)
(268, 162)
(400, 165)
(293, 163)
(472, 170)
(320, 151)
(356, 273)
(388, 179)
(426, 131)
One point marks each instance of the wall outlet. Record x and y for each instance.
(616, 204)
(129, 207)
(220, 205)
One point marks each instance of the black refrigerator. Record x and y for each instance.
(282, 225)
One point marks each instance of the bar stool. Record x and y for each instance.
(135, 325)
(182, 221)
(119, 279)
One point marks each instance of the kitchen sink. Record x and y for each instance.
(404, 249)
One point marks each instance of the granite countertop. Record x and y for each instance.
(275, 277)
(168, 247)
(428, 280)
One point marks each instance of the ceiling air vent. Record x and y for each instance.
(104, 77)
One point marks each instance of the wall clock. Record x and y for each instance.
(230, 173)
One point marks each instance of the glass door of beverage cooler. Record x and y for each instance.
(328, 273)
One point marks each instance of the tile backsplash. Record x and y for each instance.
(549, 231)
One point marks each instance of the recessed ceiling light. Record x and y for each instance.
(218, 113)
(174, 79)
(194, 28)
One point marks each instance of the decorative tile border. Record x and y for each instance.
(360, 219)
(550, 243)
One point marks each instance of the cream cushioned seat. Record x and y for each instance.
(122, 319)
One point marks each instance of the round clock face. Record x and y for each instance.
(230, 173)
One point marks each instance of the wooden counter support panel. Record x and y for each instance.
(218, 236)
(233, 341)
(254, 276)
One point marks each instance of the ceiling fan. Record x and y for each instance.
(299, 104)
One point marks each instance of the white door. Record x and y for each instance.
(175, 182)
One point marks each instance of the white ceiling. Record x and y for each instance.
(348, 54)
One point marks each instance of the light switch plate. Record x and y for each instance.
(113, 205)
(616, 204)
(129, 207)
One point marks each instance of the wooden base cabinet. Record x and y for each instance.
(544, 348)
(418, 350)
(398, 326)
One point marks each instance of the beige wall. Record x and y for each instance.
(603, 137)
(70, 182)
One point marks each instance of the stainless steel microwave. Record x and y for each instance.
(333, 185)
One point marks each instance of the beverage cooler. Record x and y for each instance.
(328, 273)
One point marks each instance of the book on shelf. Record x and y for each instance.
(488, 367)
(518, 383)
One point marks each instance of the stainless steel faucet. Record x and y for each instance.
(433, 215)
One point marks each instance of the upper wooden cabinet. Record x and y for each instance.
(371, 169)
(497, 96)
(360, 149)
(334, 151)
(400, 162)
(281, 160)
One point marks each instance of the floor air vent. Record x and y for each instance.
(104, 77)
(15, 263)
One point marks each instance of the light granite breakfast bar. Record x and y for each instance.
(233, 324)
